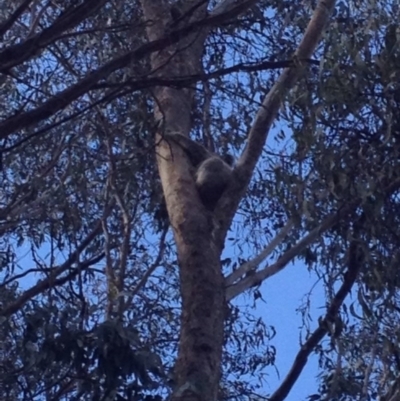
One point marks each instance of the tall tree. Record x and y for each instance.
(114, 281)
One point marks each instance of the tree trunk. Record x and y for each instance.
(197, 370)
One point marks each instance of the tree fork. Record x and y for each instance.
(197, 369)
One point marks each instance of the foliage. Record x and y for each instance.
(89, 299)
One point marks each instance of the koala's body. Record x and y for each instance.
(212, 173)
(212, 177)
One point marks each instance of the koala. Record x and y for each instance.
(212, 173)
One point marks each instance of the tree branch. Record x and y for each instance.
(253, 264)
(267, 114)
(6, 25)
(72, 93)
(354, 266)
(15, 55)
(288, 256)
(53, 279)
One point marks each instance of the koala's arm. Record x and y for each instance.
(195, 152)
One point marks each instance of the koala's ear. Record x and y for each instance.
(213, 173)
(195, 152)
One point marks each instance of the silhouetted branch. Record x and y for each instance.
(88, 83)
(355, 261)
(17, 54)
(266, 115)
(53, 278)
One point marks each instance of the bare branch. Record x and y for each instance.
(267, 113)
(254, 263)
(288, 256)
(354, 266)
(151, 269)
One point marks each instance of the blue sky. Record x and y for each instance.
(283, 294)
